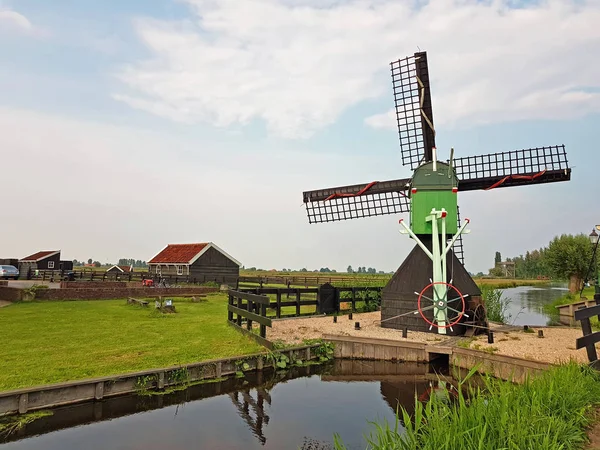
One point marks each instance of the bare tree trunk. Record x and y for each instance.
(575, 284)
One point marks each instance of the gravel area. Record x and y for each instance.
(558, 343)
(294, 331)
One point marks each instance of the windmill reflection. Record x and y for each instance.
(260, 416)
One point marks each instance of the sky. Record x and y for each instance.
(127, 125)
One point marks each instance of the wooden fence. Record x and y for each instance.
(252, 308)
(589, 338)
(299, 280)
(310, 297)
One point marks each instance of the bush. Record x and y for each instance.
(495, 304)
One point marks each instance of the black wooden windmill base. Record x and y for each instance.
(417, 134)
(399, 300)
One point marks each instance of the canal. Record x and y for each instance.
(527, 303)
(297, 409)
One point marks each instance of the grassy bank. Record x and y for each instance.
(550, 412)
(50, 342)
(502, 283)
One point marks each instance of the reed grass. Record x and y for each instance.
(550, 412)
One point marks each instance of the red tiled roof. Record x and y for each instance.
(178, 253)
(39, 255)
(125, 268)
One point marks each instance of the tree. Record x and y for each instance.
(498, 258)
(97, 264)
(90, 261)
(349, 269)
(569, 257)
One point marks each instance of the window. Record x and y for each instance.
(50, 264)
(179, 270)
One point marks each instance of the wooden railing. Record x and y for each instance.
(252, 308)
(589, 338)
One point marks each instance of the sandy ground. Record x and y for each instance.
(294, 331)
(4, 303)
(558, 343)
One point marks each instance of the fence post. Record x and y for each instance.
(229, 313)
(278, 312)
(263, 328)
(297, 301)
(239, 317)
(248, 320)
(586, 327)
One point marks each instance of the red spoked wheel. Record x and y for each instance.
(441, 304)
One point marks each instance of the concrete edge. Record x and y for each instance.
(72, 392)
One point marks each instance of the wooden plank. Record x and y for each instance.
(293, 303)
(586, 327)
(261, 340)
(262, 299)
(250, 315)
(586, 313)
(590, 339)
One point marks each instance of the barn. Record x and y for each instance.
(43, 260)
(201, 262)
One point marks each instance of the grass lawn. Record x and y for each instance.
(50, 342)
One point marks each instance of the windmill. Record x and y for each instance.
(432, 280)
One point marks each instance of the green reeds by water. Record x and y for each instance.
(548, 412)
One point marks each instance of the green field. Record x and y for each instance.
(50, 342)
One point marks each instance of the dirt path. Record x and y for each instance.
(4, 303)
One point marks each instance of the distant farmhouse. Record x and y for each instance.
(43, 260)
(202, 261)
(120, 269)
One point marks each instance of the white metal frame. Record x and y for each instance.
(438, 257)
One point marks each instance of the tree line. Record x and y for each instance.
(567, 257)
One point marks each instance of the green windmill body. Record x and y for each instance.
(434, 186)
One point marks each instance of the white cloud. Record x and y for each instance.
(297, 66)
(10, 19)
(109, 192)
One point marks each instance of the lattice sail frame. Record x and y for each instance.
(414, 112)
(513, 168)
(358, 207)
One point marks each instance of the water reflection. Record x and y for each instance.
(298, 409)
(527, 303)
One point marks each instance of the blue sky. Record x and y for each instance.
(179, 117)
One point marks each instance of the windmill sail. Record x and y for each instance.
(357, 201)
(514, 168)
(414, 114)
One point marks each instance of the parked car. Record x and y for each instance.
(9, 272)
